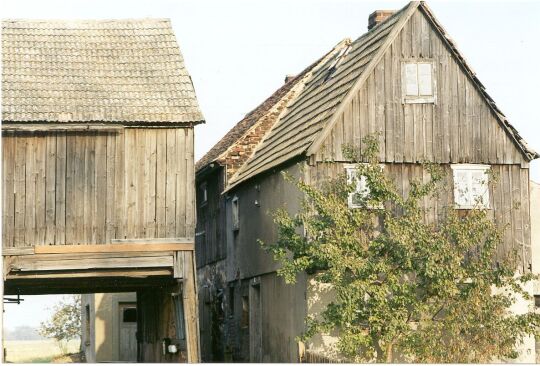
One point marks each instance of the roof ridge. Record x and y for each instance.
(83, 20)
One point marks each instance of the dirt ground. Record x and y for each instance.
(71, 358)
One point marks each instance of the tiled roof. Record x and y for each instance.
(315, 106)
(128, 71)
(266, 114)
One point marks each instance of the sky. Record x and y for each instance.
(238, 52)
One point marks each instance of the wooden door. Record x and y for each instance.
(127, 329)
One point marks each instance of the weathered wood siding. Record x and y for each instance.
(509, 198)
(460, 127)
(92, 187)
(210, 239)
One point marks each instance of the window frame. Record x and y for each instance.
(350, 167)
(471, 168)
(235, 213)
(203, 192)
(411, 99)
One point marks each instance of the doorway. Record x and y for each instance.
(127, 332)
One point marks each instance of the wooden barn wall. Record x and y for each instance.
(210, 240)
(460, 127)
(509, 198)
(92, 187)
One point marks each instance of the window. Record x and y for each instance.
(471, 186)
(357, 198)
(129, 315)
(203, 194)
(235, 214)
(418, 82)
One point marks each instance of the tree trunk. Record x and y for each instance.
(389, 352)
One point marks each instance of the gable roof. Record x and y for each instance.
(266, 112)
(95, 71)
(312, 115)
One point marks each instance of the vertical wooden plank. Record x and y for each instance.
(170, 190)
(190, 193)
(110, 202)
(182, 181)
(100, 196)
(60, 188)
(389, 104)
(79, 187)
(88, 208)
(8, 188)
(161, 175)
(131, 176)
(151, 146)
(397, 120)
(40, 150)
(120, 188)
(142, 186)
(379, 111)
(50, 191)
(525, 215)
(30, 192)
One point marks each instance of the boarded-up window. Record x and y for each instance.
(418, 82)
(360, 195)
(203, 194)
(471, 188)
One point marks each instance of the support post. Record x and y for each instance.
(191, 316)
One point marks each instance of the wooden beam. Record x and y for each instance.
(124, 273)
(18, 251)
(114, 248)
(28, 263)
(46, 127)
(155, 241)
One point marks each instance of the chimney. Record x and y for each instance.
(379, 16)
(289, 78)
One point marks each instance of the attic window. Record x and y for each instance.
(418, 81)
(471, 189)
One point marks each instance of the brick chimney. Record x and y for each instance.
(378, 16)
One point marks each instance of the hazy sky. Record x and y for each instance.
(238, 52)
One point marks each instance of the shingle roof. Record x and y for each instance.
(220, 149)
(128, 71)
(302, 127)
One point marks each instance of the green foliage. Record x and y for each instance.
(65, 322)
(431, 291)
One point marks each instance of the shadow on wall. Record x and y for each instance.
(115, 327)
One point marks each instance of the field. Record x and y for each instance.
(36, 351)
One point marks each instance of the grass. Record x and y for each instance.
(36, 351)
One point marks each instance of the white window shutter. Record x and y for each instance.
(479, 188)
(411, 79)
(425, 83)
(462, 188)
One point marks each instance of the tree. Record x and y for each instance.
(431, 291)
(65, 322)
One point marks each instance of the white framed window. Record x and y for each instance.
(235, 214)
(471, 189)
(203, 193)
(418, 81)
(358, 197)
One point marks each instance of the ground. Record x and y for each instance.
(44, 351)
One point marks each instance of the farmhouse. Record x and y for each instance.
(404, 80)
(98, 171)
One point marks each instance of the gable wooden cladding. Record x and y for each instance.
(459, 127)
(509, 199)
(93, 187)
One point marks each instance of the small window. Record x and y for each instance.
(203, 194)
(471, 186)
(129, 315)
(418, 82)
(357, 198)
(235, 214)
(244, 322)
